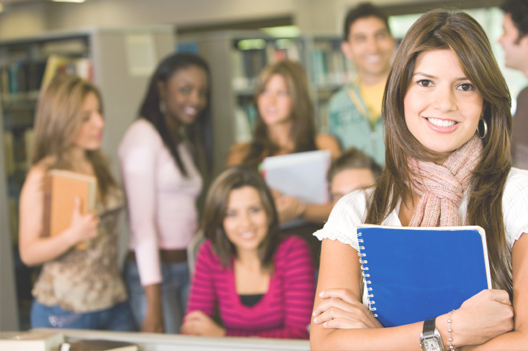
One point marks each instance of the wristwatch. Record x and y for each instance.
(431, 340)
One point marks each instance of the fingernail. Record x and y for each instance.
(313, 314)
(321, 294)
(315, 320)
(324, 325)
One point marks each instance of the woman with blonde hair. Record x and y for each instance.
(285, 125)
(285, 117)
(77, 288)
(448, 127)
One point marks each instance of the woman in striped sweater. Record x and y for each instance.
(263, 285)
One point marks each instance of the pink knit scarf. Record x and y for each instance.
(441, 187)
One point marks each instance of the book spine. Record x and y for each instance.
(366, 276)
(48, 184)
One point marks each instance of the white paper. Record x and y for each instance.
(301, 174)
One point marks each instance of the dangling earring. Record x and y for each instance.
(162, 107)
(485, 128)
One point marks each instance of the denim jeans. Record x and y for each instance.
(174, 294)
(115, 318)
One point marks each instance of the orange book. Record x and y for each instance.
(60, 190)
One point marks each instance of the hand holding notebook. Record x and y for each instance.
(301, 174)
(69, 198)
(416, 273)
(84, 225)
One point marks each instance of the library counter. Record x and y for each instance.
(165, 342)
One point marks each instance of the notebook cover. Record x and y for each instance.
(60, 190)
(98, 345)
(34, 340)
(413, 274)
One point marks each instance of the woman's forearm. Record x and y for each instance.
(317, 213)
(367, 339)
(512, 341)
(41, 250)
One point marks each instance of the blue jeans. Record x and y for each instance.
(116, 318)
(174, 294)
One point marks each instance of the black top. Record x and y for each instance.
(250, 300)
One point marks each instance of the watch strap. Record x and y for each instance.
(430, 332)
(429, 326)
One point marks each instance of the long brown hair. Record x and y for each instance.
(58, 121)
(460, 33)
(216, 208)
(302, 112)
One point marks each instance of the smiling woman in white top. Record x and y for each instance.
(448, 162)
(162, 183)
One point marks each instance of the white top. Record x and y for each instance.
(161, 201)
(351, 211)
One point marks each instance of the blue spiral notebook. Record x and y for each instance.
(416, 273)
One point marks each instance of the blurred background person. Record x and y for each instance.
(262, 283)
(351, 171)
(514, 41)
(355, 110)
(159, 157)
(76, 289)
(285, 125)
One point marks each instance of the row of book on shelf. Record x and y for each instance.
(245, 116)
(24, 78)
(17, 161)
(327, 64)
(18, 150)
(20, 83)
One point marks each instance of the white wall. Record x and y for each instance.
(22, 21)
(26, 19)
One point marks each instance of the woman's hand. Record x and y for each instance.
(82, 227)
(340, 309)
(288, 207)
(153, 323)
(198, 323)
(482, 317)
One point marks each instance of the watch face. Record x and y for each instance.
(431, 344)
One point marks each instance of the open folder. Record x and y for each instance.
(416, 273)
(302, 174)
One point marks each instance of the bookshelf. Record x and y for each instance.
(236, 58)
(9, 315)
(118, 60)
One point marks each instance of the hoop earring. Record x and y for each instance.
(485, 128)
(162, 107)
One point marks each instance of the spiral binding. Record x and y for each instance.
(364, 268)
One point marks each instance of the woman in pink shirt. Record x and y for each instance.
(162, 182)
(262, 283)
